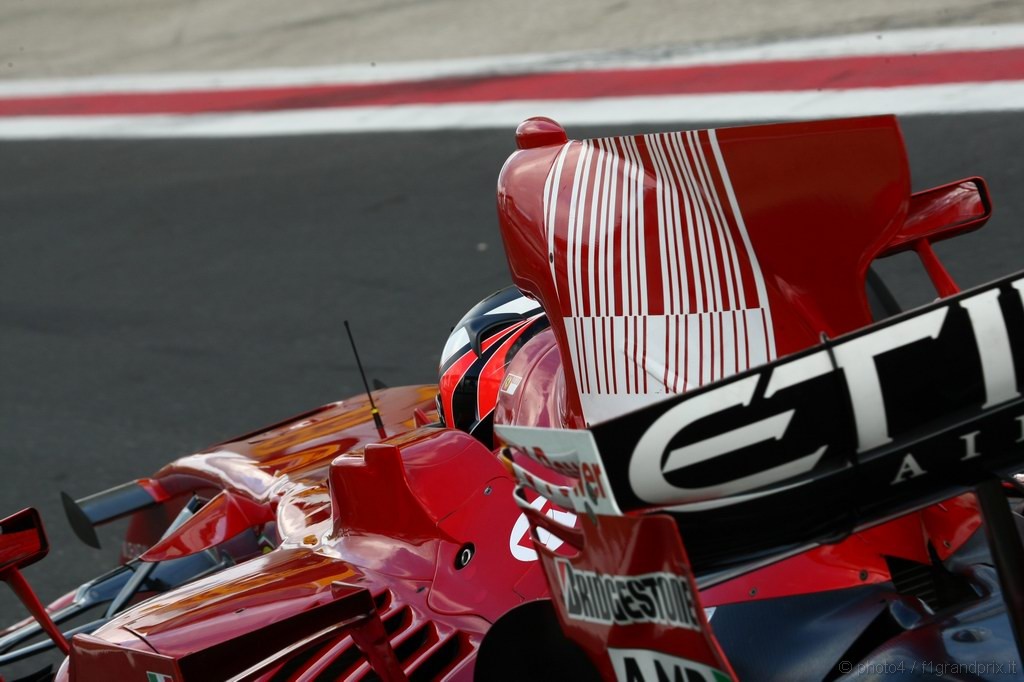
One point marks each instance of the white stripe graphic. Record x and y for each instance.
(581, 224)
(625, 269)
(712, 281)
(590, 241)
(717, 341)
(708, 269)
(693, 351)
(572, 324)
(685, 197)
(735, 278)
(626, 356)
(669, 222)
(612, 284)
(728, 336)
(755, 332)
(620, 353)
(574, 202)
(609, 343)
(605, 274)
(573, 343)
(669, 228)
(607, 270)
(600, 276)
(678, 269)
(639, 238)
(641, 242)
(683, 206)
(691, 213)
(551, 206)
(742, 347)
(695, 269)
(661, 186)
(762, 294)
(596, 358)
(701, 192)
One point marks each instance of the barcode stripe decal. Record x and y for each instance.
(662, 290)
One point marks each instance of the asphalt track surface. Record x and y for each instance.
(159, 296)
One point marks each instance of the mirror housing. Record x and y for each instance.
(936, 214)
(22, 540)
(942, 212)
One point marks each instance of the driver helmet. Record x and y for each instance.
(474, 359)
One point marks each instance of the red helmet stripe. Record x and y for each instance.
(494, 370)
(450, 379)
(486, 345)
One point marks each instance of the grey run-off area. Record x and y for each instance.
(58, 38)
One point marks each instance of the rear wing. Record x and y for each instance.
(673, 260)
(756, 467)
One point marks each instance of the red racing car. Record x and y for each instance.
(695, 441)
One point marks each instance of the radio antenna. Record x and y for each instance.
(373, 408)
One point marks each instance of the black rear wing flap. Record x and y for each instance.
(816, 445)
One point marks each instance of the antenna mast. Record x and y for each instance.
(373, 407)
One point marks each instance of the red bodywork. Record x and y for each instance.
(398, 554)
(366, 567)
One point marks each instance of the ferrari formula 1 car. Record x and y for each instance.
(704, 445)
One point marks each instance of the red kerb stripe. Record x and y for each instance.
(812, 74)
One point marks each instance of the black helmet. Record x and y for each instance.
(474, 358)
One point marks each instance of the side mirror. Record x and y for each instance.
(936, 214)
(22, 540)
(943, 212)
